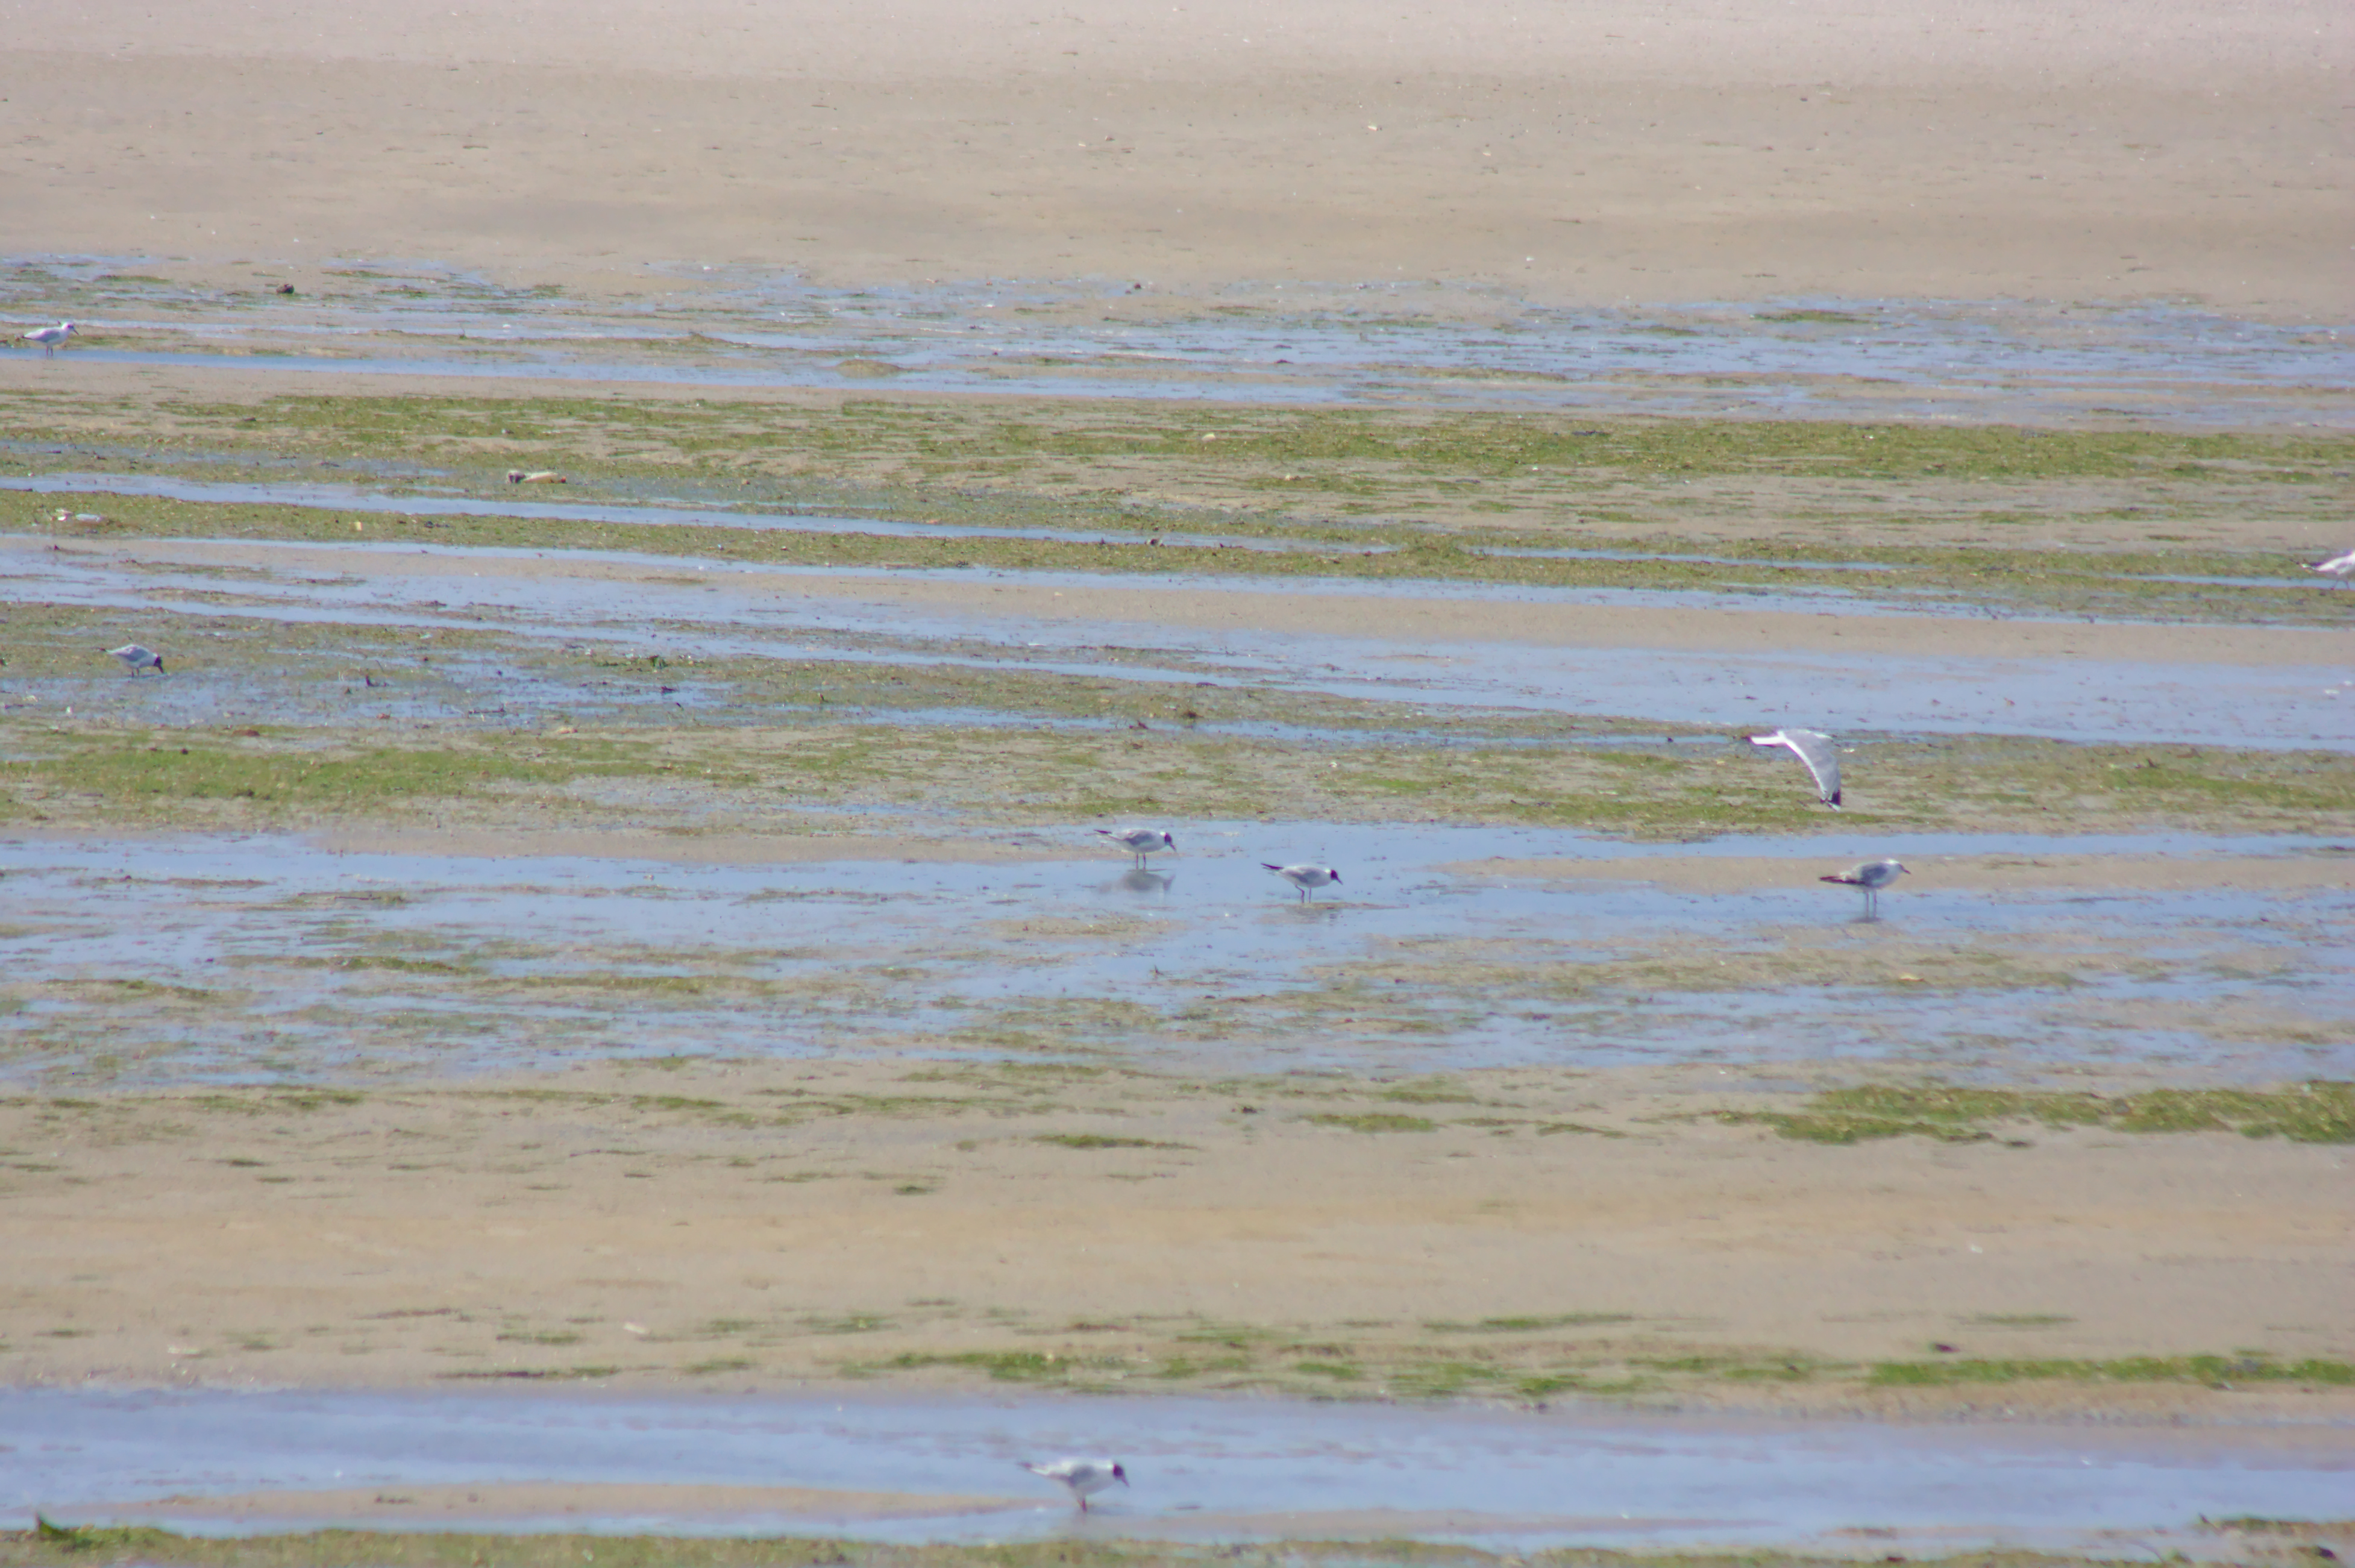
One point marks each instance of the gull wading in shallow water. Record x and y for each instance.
(1141, 841)
(2341, 567)
(1815, 748)
(1083, 1476)
(1872, 876)
(136, 658)
(1306, 877)
(48, 338)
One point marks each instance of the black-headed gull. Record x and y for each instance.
(1306, 877)
(2341, 567)
(1084, 1477)
(136, 658)
(48, 338)
(1140, 841)
(1872, 876)
(1815, 748)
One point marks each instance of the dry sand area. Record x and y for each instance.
(1082, 1219)
(1594, 154)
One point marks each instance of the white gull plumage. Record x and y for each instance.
(48, 338)
(1871, 875)
(1816, 749)
(1083, 1476)
(136, 658)
(1140, 841)
(1306, 877)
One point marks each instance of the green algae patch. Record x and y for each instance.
(1373, 1121)
(1530, 1325)
(2212, 1372)
(56, 1545)
(1386, 493)
(2322, 1111)
(134, 774)
(1101, 1141)
(1000, 1366)
(935, 437)
(2130, 584)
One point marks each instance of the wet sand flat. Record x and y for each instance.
(1405, 619)
(547, 1504)
(2022, 872)
(765, 1226)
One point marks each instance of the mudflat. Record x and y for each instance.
(650, 931)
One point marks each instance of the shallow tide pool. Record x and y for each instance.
(277, 958)
(1200, 1469)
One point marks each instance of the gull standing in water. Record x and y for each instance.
(2341, 567)
(1083, 1476)
(48, 338)
(1872, 876)
(1815, 748)
(1306, 877)
(1141, 841)
(136, 658)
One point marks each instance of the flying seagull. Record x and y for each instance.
(1815, 749)
(48, 338)
(136, 658)
(1083, 1476)
(1141, 841)
(2341, 567)
(1872, 876)
(1306, 877)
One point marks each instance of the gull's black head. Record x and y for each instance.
(1171, 842)
(1335, 875)
(1117, 1473)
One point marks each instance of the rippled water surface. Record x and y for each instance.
(323, 961)
(1200, 1469)
(1383, 344)
(682, 607)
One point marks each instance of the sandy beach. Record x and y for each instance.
(1608, 153)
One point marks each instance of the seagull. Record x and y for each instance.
(48, 338)
(136, 658)
(1815, 749)
(1083, 1476)
(2341, 567)
(1141, 841)
(1872, 876)
(1306, 877)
